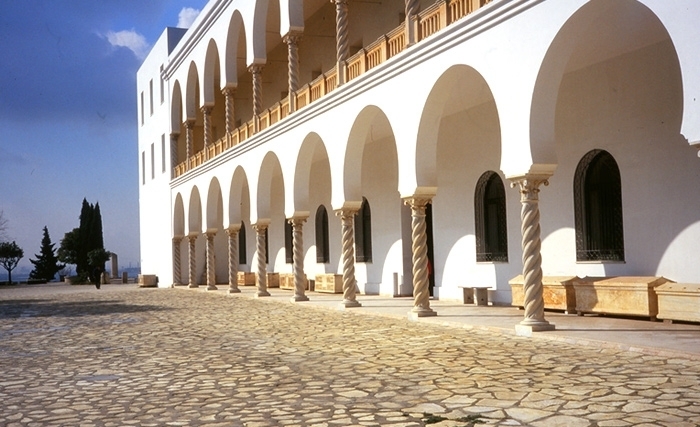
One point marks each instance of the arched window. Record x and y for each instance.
(242, 254)
(288, 242)
(490, 218)
(598, 208)
(322, 245)
(363, 233)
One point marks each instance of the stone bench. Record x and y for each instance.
(287, 281)
(329, 283)
(147, 280)
(622, 295)
(475, 294)
(246, 278)
(679, 301)
(557, 292)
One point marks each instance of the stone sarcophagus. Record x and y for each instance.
(287, 281)
(557, 291)
(679, 301)
(273, 280)
(623, 295)
(246, 279)
(147, 280)
(329, 283)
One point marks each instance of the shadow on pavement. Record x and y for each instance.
(14, 309)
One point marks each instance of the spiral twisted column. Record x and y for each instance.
(347, 219)
(206, 113)
(211, 262)
(173, 153)
(177, 271)
(532, 259)
(193, 262)
(341, 36)
(233, 260)
(419, 250)
(230, 117)
(412, 8)
(189, 127)
(256, 71)
(262, 265)
(298, 259)
(292, 39)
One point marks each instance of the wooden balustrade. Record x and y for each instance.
(428, 22)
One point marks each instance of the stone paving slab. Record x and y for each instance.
(125, 356)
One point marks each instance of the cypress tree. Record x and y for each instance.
(83, 239)
(46, 263)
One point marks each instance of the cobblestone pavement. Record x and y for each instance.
(175, 357)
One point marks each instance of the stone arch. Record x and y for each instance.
(598, 31)
(235, 40)
(192, 95)
(266, 13)
(459, 88)
(178, 217)
(311, 154)
(270, 170)
(291, 16)
(370, 125)
(176, 108)
(239, 198)
(211, 71)
(194, 217)
(215, 215)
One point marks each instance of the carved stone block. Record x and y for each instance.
(679, 301)
(624, 295)
(557, 291)
(273, 280)
(287, 281)
(246, 279)
(147, 280)
(329, 283)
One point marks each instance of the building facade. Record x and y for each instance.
(416, 146)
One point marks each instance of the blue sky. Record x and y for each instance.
(68, 114)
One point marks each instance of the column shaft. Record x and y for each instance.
(206, 112)
(177, 269)
(230, 112)
(189, 126)
(256, 71)
(412, 8)
(419, 249)
(173, 153)
(233, 260)
(341, 35)
(532, 259)
(193, 262)
(292, 40)
(347, 218)
(262, 264)
(298, 259)
(211, 262)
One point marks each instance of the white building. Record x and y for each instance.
(271, 111)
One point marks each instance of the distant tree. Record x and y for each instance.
(68, 251)
(96, 261)
(10, 254)
(78, 244)
(46, 263)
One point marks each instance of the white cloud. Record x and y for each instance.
(131, 40)
(186, 17)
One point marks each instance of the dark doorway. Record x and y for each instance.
(429, 241)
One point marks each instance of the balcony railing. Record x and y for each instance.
(425, 24)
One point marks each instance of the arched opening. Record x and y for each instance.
(598, 208)
(288, 243)
(242, 245)
(322, 244)
(491, 223)
(363, 233)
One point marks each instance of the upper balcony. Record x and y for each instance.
(422, 25)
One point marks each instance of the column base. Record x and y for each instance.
(349, 304)
(418, 312)
(526, 329)
(259, 294)
(193, 285)
(299, 298)
(234, 291)
(212, 288)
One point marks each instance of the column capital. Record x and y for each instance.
(189, 124)
(417, 202)
(346, 213)
(229, 90)
(233, 229)
(207, 109)
(529, 186)
(260, 227)
(295, 221)
(256, 68)
(339, 2)
(177, 239)
(292, 37)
